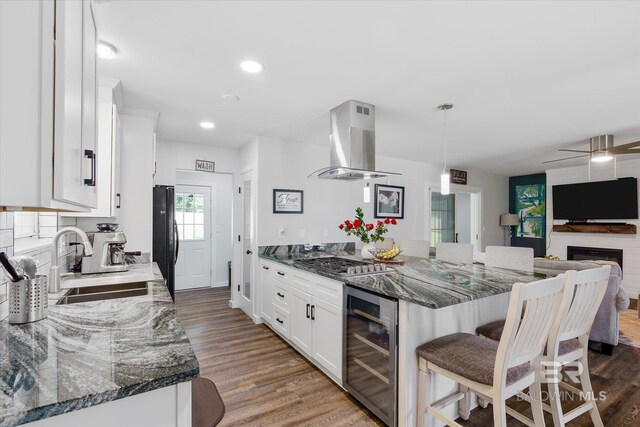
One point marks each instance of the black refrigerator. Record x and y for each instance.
(165, 233)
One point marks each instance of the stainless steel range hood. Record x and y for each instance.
(353, 143)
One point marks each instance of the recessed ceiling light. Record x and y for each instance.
(106, 50)
(207, 125)
(231, 98)
(251, 66)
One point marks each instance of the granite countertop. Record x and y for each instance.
(426, 282)
(85, 354)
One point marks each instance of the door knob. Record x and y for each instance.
(249, 252)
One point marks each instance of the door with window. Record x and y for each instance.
(443, 218)
(246, 293)
(193, 217)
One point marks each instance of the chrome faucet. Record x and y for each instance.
(54, 271)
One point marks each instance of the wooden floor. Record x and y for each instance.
(264, 382)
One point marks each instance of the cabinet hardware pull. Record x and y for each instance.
(280, 295)
(91, 182)
(313, 312)
(118, 200)
(279, 321)
(308, 307)
(265, 267)
(280, 273)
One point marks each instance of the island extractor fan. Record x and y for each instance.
(601, 149)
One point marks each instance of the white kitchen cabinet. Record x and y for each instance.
(327, 336)
(266, 292)
(306, 311)
(107, 154)
(47, 108)
(301, 324)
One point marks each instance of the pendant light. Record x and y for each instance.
(367, 193)
(445, 178)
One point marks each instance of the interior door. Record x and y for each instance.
(245, 296)
(193, 218)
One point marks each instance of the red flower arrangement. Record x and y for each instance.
(361, 229)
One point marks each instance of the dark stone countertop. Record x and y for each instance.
(89, 353)
(426, 282)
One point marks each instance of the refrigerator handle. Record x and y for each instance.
(175, 230)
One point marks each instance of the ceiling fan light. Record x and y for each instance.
(601, 157)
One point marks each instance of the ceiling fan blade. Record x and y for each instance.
(575, 151)
(566, 158)
(626, 148)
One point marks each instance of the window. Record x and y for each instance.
(25, 224)
(190, 216)
(442, 218)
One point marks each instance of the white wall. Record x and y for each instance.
(286, 164)
(629, 243)
(463, 217)
(173, 155)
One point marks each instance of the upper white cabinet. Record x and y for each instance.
(108, 153)
(48, 105)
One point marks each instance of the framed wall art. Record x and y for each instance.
(288, 201)
(389, 201)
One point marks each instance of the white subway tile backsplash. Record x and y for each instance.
(6, 238)
(3, 220)
(4, 292)
(48, 221)
(9, 219)
(4, 309)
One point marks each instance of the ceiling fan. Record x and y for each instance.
(601, 149)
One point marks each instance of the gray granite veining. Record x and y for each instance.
(319, 249)
(426, 282)
(91, 353)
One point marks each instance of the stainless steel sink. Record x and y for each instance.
(104, 292)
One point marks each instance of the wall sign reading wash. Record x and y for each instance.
(205, 166)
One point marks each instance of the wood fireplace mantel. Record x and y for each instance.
(596, 228)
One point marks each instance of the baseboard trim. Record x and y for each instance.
(233, 304)
(220, 284)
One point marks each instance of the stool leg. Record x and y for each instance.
(464, 405)
(499, 412)
(588, 390)
(555, 402)
(536, 398)
(424, 380)
(483, 402)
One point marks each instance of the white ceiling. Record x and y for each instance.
(526, 78)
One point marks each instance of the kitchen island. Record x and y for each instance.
(434, 299)
(112, 362)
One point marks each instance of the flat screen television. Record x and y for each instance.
(617, 199)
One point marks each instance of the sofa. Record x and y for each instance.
(605, 329)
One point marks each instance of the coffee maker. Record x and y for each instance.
(108, 252)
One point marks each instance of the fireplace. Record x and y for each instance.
(600, 254)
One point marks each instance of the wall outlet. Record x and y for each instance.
(281, 233)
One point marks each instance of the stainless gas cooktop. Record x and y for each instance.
(342, 266)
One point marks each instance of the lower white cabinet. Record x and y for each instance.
(305, 309)
(266, 289)
(301, 322)
(327, 335)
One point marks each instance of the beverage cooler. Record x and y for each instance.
(370, 351)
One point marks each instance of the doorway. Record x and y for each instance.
(454, 217)
(193, 218)
(246, 290)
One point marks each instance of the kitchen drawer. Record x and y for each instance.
(281, 321)
(303, 281)
(282, 275)
(281, 296)
(328, 290)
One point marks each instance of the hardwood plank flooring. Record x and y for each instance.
(262, 380)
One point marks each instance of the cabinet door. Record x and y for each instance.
(327, 336)
(89, 108)
(68, 179)
(116, 147)
(266, 292)
(301, 322)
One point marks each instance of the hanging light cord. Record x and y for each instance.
(444, 168)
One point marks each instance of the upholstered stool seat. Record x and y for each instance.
(470, 356)
(493, 331)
